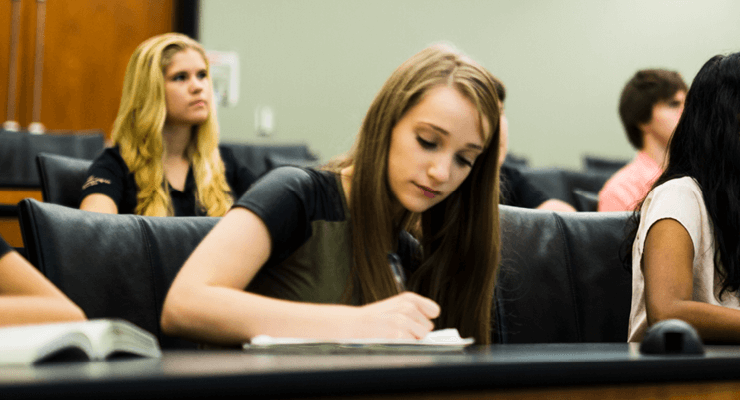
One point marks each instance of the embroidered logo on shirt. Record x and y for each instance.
(94, 180)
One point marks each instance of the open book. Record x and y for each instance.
(436, 341)
(93, 340)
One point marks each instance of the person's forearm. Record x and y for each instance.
(230, 316)
(714, 323)
(18, 310)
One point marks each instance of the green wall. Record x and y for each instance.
(318, 63)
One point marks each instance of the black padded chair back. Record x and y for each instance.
(18, 152)
(112, 266)
(551, 181)
(260, 159)
(561, 277)
(62, 178)
(609, 165)
(585, 200)
(588, 181)
(558, 183)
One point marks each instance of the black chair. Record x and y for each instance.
(8, 215)
(561, 277)
(62, 178)
(559, 183)
(18, 152)
(551, 181)
(112, 266)
(585, 200)
(588, 181)
(262, 158)
(609, 165)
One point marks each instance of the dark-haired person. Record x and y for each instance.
(686, 251)
(304, 253)
(650, 106)
(516, 190)
(27, 297)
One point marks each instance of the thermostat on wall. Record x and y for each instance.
(225, 76)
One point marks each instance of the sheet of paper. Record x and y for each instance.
(441, 340)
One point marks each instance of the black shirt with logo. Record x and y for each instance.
(306, 214)
(109, 175)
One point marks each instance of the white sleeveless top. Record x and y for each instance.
(679, 199)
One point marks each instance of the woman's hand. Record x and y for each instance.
(404, 316)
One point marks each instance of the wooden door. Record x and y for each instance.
(86, 46)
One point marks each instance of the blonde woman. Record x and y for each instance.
(304, 253)
(27, 297)
(166, 159)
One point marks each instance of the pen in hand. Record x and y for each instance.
(395, 263)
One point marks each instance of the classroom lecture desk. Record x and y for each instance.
(614, 370)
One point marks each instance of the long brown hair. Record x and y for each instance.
(460, 235)
(138, 132)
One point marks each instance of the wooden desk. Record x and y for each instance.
(500, 371)
(10, 230)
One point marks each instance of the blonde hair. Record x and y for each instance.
(460, 235)
(137, 131)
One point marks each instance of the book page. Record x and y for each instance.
(97, 338)
(27, 344)
(123, 336)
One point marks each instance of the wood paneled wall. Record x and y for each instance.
(87, 44)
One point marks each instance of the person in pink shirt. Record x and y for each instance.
(650, 107)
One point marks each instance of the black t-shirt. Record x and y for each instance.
(517, 191)
(4, 247)
(109, 175)
(306, 214)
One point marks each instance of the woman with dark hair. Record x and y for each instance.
(304, 253)
(686, 252)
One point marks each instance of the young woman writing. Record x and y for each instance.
(304, 253)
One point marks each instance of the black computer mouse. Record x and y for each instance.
(671, 336)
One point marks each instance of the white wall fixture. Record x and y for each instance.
(225, 76)
(264, 121)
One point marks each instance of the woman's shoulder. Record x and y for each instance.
(680, 199)
(299, 178)
(677, 189)
(112, 152)
(682, 183)
(110, 159)
(316, 192)
(110, 156)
